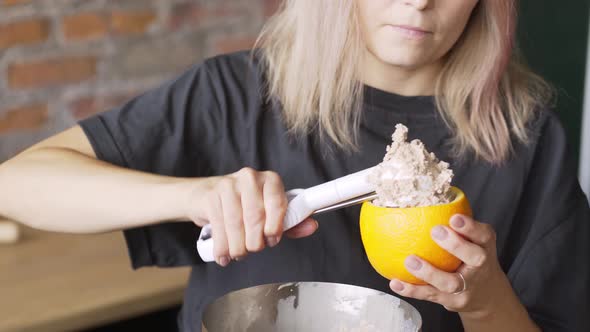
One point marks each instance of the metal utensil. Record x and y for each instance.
(353, 201)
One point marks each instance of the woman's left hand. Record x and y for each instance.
(479, 284)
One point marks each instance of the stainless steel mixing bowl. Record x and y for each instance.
(310, 307)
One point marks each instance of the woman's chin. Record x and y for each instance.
(401, 60)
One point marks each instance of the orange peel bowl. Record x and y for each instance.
(390, 235)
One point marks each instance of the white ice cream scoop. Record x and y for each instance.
(345, 191)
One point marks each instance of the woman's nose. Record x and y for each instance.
(418, 4)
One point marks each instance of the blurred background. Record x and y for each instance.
(64, 60)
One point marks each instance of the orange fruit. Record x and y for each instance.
(390, 235)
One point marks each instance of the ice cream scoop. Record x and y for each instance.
(409, 175)
(305, 202)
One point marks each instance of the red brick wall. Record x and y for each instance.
(61, 61)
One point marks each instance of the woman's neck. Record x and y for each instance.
(400, 80)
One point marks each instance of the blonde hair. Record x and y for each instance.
(312, 50)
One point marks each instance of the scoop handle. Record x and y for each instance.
(9, 232)
(296, 212)
(303, 203)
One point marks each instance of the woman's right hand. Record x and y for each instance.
(246, 211)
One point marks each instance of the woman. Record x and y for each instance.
(319, 100)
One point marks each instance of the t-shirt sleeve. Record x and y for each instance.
(165, 131)
(551, 271)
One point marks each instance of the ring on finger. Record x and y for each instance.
(464, 284)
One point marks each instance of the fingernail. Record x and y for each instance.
(223, 261)
(272, 241)
(458, 221)
(412, 263)
(439, 233)
(396, 285)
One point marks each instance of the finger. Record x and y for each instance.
(252, 209)
(441, 280)
(451, 302)
(231, 208)
(420, 292)
(304, 229)
(476, 232)
(469, 253)
(275, 206)
(220, 246)
(429, 293)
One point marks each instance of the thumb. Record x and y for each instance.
(305, 228)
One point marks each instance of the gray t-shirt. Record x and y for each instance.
(214, 120)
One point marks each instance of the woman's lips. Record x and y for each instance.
(410, 32)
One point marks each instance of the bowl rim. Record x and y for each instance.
(278, 285)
